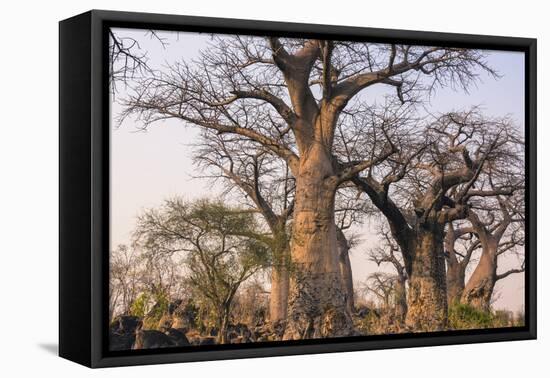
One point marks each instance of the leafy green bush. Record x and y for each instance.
(503, 318)
(462, 316)
(139, 306)
(151, 315)
(159, 308)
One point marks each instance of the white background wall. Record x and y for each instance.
(29, 186)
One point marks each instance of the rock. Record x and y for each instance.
(178, 338)
(269, 332)
(207, 340)
(121, 342)
(240, 329)
(150, 339)
(122, 332)
(236, 340)
(165, 322)
(125, 324)
(193, 336)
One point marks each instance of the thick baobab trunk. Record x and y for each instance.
(427, 297)
(345, 269)
(455, 282)
(480, 286)
(317, 305)
(280, 283)
(456, 270)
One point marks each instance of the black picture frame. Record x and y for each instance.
(84, 188)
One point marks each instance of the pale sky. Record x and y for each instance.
(148, 167)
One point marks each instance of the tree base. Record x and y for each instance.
(317, 308)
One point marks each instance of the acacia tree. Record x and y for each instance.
(265, 182)
(434, 175)
(288, 95)
(220, 244)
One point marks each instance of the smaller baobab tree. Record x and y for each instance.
(220, 244)
(494, 222)
(499, 235)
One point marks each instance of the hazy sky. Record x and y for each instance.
(148, 167)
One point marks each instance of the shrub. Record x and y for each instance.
(463, 316)
(151, 315)
(139, 306)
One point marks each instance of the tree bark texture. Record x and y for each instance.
(317, 301)
(280, 284)
(456, 270)
(480, 286)
(427, 297)
(345, 269)
(455, 282)
(401, 307)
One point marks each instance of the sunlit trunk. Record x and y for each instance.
(317, 305)
(280, 284)
(345, 269)
(455, 282)
(456, 271)
(427, 297)
(480, 286)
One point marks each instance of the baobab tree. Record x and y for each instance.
(240, 84)
(429, 183)
(497, 236)
(266, 183)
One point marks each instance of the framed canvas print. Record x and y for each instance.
(233, 188)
